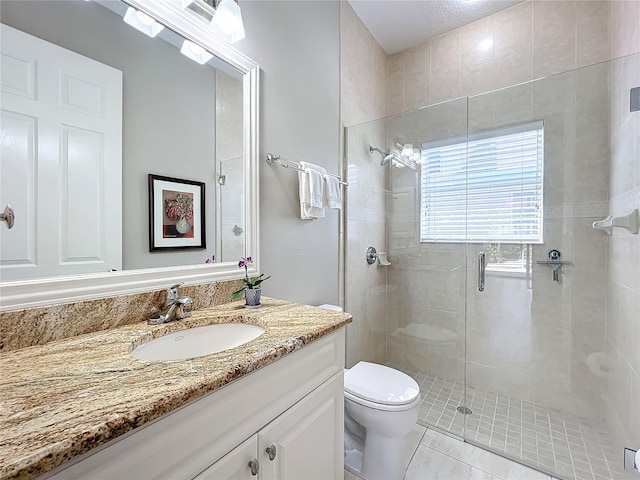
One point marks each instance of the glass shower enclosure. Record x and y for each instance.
(496, 297)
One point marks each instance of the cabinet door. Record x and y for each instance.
(235, 464)
(307, 439)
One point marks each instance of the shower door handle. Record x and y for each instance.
(482, 266)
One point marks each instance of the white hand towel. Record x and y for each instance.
(333, 193)
(316, 183)
(307, 210)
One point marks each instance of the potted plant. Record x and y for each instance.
(252, 289)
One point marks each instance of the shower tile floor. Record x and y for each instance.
(556, 442)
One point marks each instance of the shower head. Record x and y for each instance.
(386, 157)
(394, 156)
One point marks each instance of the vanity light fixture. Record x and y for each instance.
(195, 52)
(142, 22)
(224, 17)
(227, 21)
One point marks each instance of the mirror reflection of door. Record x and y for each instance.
(61, 147)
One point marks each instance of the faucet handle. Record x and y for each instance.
(184, 300)
(172, 294)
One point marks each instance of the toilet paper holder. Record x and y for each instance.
(372, 256)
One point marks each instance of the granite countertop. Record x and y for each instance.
(66, 397)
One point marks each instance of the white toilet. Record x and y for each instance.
(381, 407)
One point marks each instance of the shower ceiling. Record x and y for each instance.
(401, 24)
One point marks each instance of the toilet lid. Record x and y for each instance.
(380, 384)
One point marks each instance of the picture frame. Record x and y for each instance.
(176, 214)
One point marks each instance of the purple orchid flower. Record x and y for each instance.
(249, 282)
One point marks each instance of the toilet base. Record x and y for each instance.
(353, 461)
(387, 467)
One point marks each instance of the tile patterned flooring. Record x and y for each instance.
(551, 440)
(431, 455)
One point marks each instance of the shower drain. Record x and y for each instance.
(464, 410)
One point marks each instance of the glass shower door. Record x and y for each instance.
(535, 326)
(426, 278)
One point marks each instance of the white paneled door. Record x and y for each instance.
(61, 160)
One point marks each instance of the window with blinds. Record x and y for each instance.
(484, 189)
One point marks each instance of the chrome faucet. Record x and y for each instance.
(173, 308)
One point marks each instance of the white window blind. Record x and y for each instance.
(486, 189)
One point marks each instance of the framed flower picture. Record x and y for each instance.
(176, 214)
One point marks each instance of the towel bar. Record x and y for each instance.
(275, 159)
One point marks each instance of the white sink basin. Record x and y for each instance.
(198, 341)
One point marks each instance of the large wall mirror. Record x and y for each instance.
(91, 109)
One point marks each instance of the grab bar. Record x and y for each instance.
(482, 266)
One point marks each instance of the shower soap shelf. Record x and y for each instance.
(629, 222)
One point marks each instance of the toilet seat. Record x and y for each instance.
(380, 387)
(381, 406)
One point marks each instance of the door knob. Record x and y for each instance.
(8, 217)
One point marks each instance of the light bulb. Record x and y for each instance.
(195, 52)
(142, 22)
(227, 21)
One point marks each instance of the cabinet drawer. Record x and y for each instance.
(185, 442)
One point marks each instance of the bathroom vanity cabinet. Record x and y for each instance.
(283, 421)
(298, 444)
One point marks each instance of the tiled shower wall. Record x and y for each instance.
(362, 71)
(622, 398)
(366, 285)
(362, 85)
(528, 41)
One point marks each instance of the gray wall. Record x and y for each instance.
(152, 70)
(297, 47)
